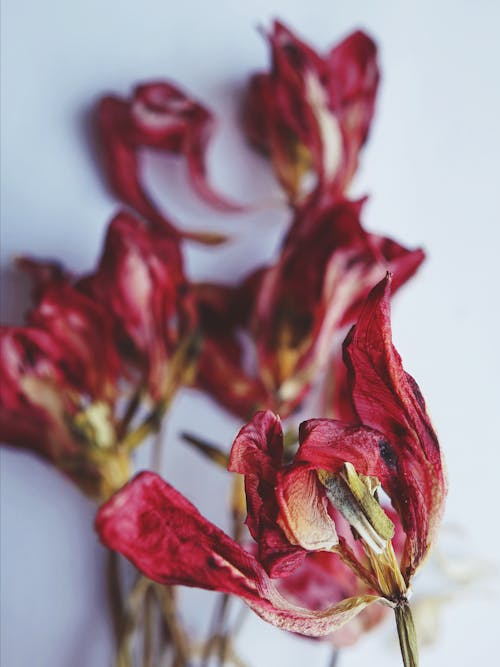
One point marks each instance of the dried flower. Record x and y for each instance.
(292, 310)
(312, 112)
(140, 280)
(327, 500)
(58, 392)
(93, 349)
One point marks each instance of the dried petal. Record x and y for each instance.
(166, 538)
(159, 116)
(389, 400)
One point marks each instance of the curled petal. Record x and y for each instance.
(313, 112)
(164, 535)
(304, 515)
(328, 265)
(258, 447)
(257, 453)
(82, 333)
(388, 399)
(159, 116)
(221, 374)
(32, 404)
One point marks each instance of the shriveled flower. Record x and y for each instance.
(162, 117)
(292, 310)
(312, 113)
(327, 500)
(58, 389)
(95, 351)
(140, 281)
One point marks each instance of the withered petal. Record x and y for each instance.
(166, 537)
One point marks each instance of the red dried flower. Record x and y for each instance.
(325, 501)
(140, 281)
(292, 310)
(58, 390)
(312, 112)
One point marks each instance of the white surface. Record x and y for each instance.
(432, 168)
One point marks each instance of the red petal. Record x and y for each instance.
(166, 538)
(220, 374)
(162, 117)
(323, 104)
(25, 353)
(257, 453)
(328, 444)
(303, 505)
(258, 447)
(389, 400)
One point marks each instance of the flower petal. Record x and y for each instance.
(304, 515)
(389, 400)
(313, 112)
(160, 116)
(258, 447)
(327, 444)
(257, 453)
(164, 535)
(140, 280)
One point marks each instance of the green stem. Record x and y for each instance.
(407, 635)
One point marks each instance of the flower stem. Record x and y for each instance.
(334, 657)
(115, 598)
(407, 635)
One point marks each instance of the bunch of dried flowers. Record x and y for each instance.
(339, 517)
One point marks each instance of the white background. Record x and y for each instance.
(432, 168)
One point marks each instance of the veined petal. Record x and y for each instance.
(140, 281)
(257, 453)
(165, 536)
(328, 444)
(389, 400)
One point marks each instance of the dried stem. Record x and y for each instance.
(334, 658)
(166, 596)
(115, 598)
(148, 636)
(407, 635)
(129, 621)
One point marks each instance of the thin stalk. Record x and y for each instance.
(148, 635)
(130, 619)
(129, 414)
(407, 635)
(115, 598)
(334, 658)
(166, 595)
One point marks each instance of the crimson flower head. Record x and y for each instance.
(162, 117)
(292, 310)
(74, 378)
(326, 501)
(58, 391)
(140, 281)
(312, 112)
